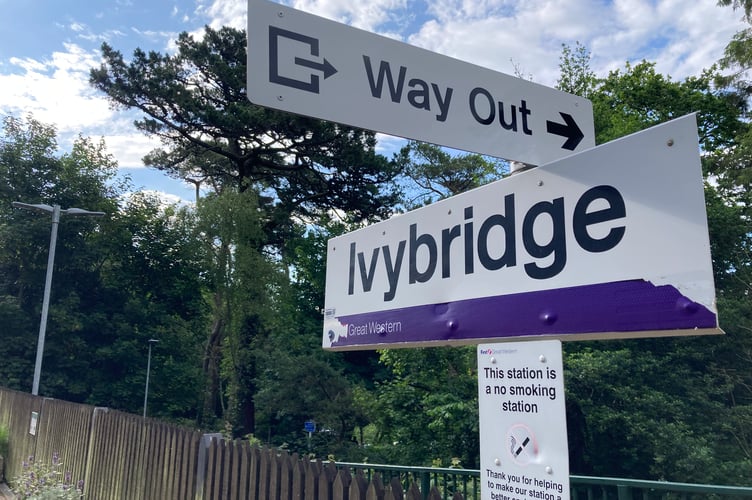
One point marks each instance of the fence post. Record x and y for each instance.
(203, 449)
(623, 492)
(425, 484)
(90, 471)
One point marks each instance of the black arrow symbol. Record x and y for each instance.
(325, 67)
(569, 129)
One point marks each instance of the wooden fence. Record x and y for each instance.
(119, 455)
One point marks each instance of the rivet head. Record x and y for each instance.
(549, 470)
(542, 358)
(670, 142)
(540, 183)
(493, 361)
(685, 305)
(548, 317)
(280, 98)
(452, 325)
(497, 461)
(280, 14)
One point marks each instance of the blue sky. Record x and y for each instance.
(48, 46)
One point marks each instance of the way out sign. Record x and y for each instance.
(608, 243)
(312, 66)
(523, 428)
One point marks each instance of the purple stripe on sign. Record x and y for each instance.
(619, 307)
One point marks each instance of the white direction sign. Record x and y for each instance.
(523, 425)
(309, 65)
(611, 242)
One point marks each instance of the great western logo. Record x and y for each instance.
(598, 224)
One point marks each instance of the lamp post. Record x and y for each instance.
(56, 212)
(197, 183)
(148, 369)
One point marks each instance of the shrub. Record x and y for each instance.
(40, 481)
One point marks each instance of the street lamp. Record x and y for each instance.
(56, 211)
(148, 369)
(197, 183)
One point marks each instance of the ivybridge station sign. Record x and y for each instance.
(608, 243)
(309, 65)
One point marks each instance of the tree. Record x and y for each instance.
(242, 285)
(297, 381)
(575, 75)
(31, 172)
(151, 284)
(637, 98)
(677, 387)
(298, 170)
(426, 412)
(746, 5)
(195, 102)
(433, 173)
(118, 280)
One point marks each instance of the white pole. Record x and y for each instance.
(46, 299)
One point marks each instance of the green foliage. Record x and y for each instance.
(427, 409)
(637, 98)
(195, 101)
(233, 289)
(4, 440)
(33, 171)
(424, 407)
(745, 5)
(118, 281)
(575, 75)
(273, 174)
(433, 173)
(41, 481)
(242, 284)
(672, 409)
(649, 408)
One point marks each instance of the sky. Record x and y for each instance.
(47, 48)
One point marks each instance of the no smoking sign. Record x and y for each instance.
(523, 432)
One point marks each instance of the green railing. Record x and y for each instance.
(613, 488)
(467, 482)
(446, 481)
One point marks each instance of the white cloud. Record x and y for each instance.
(165, 199)
(683, 40)
(56, 90)
(225, 13)
(365, 15)
(130, 147)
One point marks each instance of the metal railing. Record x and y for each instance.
(613, 488)
(447, 481)
(467, 482)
